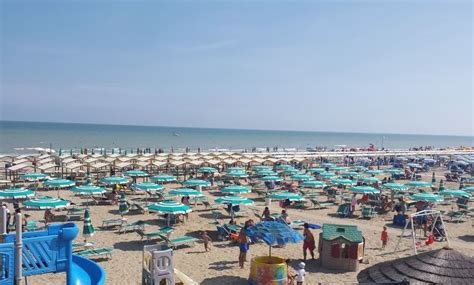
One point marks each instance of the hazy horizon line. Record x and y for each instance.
(237, 129)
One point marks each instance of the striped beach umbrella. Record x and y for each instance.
(441, 185)
(147, 186)
(196, 182)
(313, 184)
(416, 184)
(235, 169)
(426, 196)
(206, 169)
(364, 190)
(163, 178)
(395, 186)
(59, 183)
(286, 195)
(327, 164)
(461, 184)
(235, 189)
(235, 174)
(16, 193)
(393, 171)
(301, 177)
(88, 189)
(261, 167)
(136, 173)
(265, 172)
(327, 175)
(316, 170)
(88, 228)
(186, 192)
(359, 168)
(343, 182)
(271, 178)
(350, 174)
(234, 200)
(468, 189)
(374, 172)
(34, 176)
(454, 193)
(369, 180)
(114, 180)
(170, 207)
(291, 171)
(123, 205)
(44, 203)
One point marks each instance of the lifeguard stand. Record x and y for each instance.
(158, 265)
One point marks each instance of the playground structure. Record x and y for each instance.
(423, 215)
(40, 252)
(158, 265)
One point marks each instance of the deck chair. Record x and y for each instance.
(114, 222)
(457, 216)
(96, 253)
(343, 210)
(132, 226)
(209, 205)
(82, 246)
(368, 212)
(166, 231)
(178, 241)
(141, 207)
(463, 204)
(320, 205)
(331, 193)
(75, 214)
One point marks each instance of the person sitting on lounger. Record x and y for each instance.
(284, 217)
(266, 215)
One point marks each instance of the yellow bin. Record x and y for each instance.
(268, 270)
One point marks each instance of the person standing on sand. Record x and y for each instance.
(308, 242)
(206, 239)
(243, 247)
(384, 237)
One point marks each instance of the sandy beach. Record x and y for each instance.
(220, 265)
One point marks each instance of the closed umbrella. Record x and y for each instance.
(44, 203)
(16, 193)
(123, 206)
(235, 189)
(88, 229)
(441, 185)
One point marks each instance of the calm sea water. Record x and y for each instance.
(74, 136)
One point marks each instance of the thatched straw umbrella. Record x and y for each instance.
(442, 266)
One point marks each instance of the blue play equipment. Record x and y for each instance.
(49, 251)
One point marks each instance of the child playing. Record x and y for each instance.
(301, 274)
(290, 273)
(384, 237)
(206, 239)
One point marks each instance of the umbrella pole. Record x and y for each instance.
(270, 251)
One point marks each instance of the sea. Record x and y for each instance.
(21, 137)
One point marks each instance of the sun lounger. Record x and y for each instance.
(75, 214)
(368, 212)
(141, 207)
(96, 253)
(178, 241)
(132, 226)
(457, 216)
(166, 231)
(209, 205)
(114, 222)
(82, 246)
(321, 205)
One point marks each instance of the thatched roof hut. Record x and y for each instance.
(442, 266)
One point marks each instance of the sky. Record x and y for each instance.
(356, 66)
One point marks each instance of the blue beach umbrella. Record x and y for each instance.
(339, 168)
(235, 174)
(374, 172)
(235, 169)
(350, 174)
(147, 186)
(395, 186)
(206, 169)
(290, 171)
(454, 193)
(369, 180)
(33, 176)
(327, 164)
(393, 171)
(417, 184)
(170, 208)
(136, 173)
(266, 172)
(59, 183)
(234, 200)
(284, 167)
(261, 167)
(359, 168)
(196, 182)
(343, 182)
(273, 233)
(327, 175)
(468, 189)
(316, 170)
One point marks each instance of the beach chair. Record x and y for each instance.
(141, 207)
(208, 205)
(75, 214)
(132, 226)
(179, 241)
(343, 210)
(166, 231)
(321, 205)
(463, 204)
(33, 226)
(457, 216)
(96, 253)
(368, 212)
(114, 222)
(331, 193)
(82, 246)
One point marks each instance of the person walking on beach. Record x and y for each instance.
(206, 239)
(384, 237)
(243, 247)
(308, 242)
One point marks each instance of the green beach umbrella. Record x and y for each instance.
(114, 180)
(369, 180)
(454, 193)
(136, 173)
(206, 169)
(82, 151)
(235, 169)
(393, 171)
(359, 168)
(123, 205)
(302, 177)
(186, 192)
(328, 164)
(395, 186)
(234, 200)
(93, 151)
(236, 174)
(290, 171)
(163, 178)
(313, 184)
(70, 152)
(265, 172)
(426, 196)
(59, 183)
(350, 174)
(343, 181)
(433, 178)
(170, 207)
(88, 228)
(284, 167)
(235, 189)
(327, 175)
(374, 172)
(364, 190)
(261, 167)
(271, 178)
(286, 195)
(415, 183)
(470, 178)
(196, 182)
(16, 193)
(461, 184)
(44, 203)
(88, 189)
(316, 170)
(33, 176)
(441, 185)
(147, 186)
(338, 168)
(468, 189)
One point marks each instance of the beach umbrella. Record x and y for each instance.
(88, 228)
(235, 189)
(316, 170)
(284, 167)
(136, 173)
(59, 183)
(70, 152)
(327, 164)
(470, 178)
(454, 193)
(302, 177)
(170, 208)
(313, 184)
(163, 178)
(271, 178)
(265, 172)
(461, 184)
(364, 190)
(235, 169)
(123, 205)
(273, 233)
(369, 180)
(206, 169)
(16, 193)
(185, 192)
(358, 168)
(82, 151)
(350, 174)
(261, 167)
(147, 186)
(468, 189)
(88, 190)
(290, 171)
(235, 174)
(196, 182)
(433, 178)
(114, 180)
(414, 165)
(395, 186)
(343, 182)
(393, 171)
(426, 196)
(327, 175)
(47, 202)
(338, 168)
(415, 183)
(33, 176)
(286, 195)
(441, 185)
(234, 200)
(374, 172)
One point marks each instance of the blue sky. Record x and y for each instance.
(358, 66)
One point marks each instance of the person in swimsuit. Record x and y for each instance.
(243, 247)
(308, 242)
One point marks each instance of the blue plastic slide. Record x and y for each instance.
(86, 272)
